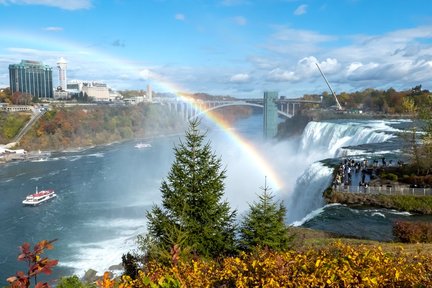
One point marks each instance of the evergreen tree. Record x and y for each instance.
(263, 226)
(192, 205)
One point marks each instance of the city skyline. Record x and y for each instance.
(224, 47)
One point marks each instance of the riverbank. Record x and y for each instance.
(38, 155)
(407, 203)
(381, 186)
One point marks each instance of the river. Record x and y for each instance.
(104, 192)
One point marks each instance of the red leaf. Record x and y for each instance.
(21, 257)
(25, 248)
(42, 285)
(21, 274)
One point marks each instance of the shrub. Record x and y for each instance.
(130, 265)
(392, 177)
(413, 232)
(73, 282)
(337, 265)
(389, 176)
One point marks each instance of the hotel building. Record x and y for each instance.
(31, 77)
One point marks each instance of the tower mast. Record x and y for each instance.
(339, 107)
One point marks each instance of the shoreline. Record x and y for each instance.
(35, 155)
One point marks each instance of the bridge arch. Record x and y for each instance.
(202, 112)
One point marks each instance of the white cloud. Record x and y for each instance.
(296, 42)
(329, 66)
(279, 75)
(145, 74)
(305, 70)
(300, 10)
(62, 4)
(53, 28)
(240, 78)
(180, 17)
(262, 62)
(240, 20)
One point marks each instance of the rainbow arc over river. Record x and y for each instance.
(255, 156)
(56, 48)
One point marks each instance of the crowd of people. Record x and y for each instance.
(353, 173)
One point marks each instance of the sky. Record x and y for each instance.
(239, 48)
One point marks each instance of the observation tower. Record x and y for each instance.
(62, 66)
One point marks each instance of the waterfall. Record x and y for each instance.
(307, 194)
(322, 140)
(327, 137)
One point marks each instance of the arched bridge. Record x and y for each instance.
(236, 103)
(271, 104)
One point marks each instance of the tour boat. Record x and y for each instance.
(39, 197)
(142, 145)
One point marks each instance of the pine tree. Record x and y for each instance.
(263, 226)
(192, 207)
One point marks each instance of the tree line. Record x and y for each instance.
(82, 126)
(387, 101)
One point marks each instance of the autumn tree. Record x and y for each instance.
(5, 96)
(424, 150)
(193, 214)
(36, 265)
(20, 98)
(264, 225)
(419, 104)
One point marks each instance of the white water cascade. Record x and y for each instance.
(319, 141)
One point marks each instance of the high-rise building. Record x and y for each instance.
(62, 66)
(31, 77)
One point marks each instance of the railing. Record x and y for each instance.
(387, 190)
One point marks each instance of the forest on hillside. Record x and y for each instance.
(387, 101)
(81, 126)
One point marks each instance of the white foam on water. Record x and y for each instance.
(73, 158)
(403, 213)
(40, 160)
(98, 155)
(117, 223)
(313, 214)
(54, 173)
(100, 256)
(378, 214)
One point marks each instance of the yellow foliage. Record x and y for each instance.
(338, 265)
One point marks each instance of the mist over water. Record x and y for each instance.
(297, 161)
(104, 192)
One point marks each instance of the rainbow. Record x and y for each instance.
(60, 47)
(253, 153)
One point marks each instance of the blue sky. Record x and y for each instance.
(225, 47)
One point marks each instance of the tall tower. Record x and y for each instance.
(62, 66)
(270, 114)
(149, 93)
